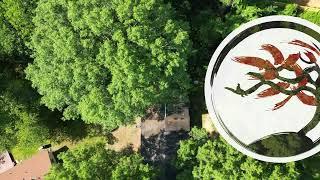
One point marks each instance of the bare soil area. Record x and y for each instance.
(127, 136)
(310, 3)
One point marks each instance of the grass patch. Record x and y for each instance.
(311, 15)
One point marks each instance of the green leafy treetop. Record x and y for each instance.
(132, 167)
(9, 44)
(15, 30)
(107, 61)
(202, 157)
(93, 161)
(19, 14)
(22, 130)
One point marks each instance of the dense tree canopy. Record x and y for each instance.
(15, 29)
(21, 128)
(202, 157)
(132, 167)
(9, 44)
(19, 14)
(17, 18)
(107, 61)
(91, 160)
(25, 123)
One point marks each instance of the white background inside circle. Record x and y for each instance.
(248, 118)
(211, 104)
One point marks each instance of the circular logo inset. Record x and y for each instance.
(262, 89)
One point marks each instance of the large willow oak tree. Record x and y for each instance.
(107, 61)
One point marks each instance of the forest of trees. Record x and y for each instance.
(71, 69)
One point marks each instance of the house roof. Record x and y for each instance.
(6, 162)
(34, 168)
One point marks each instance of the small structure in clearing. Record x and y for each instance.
(171, 119)
(207, 124)
(179, 120)
(156, 136)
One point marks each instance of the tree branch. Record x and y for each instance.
(307, 69)
(297, 79)
(314, 68)
(288, 80)
(242, 92)
(261, 78)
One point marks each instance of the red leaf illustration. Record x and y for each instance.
(281, 103)
(305, 45)
(311, 56)
(275, 52)
(253, 61)
(291, 60)
(306, 99)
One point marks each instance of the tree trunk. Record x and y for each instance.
(315, 120)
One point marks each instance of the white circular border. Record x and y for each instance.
(208, 89)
